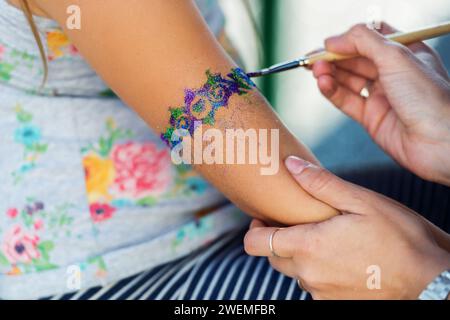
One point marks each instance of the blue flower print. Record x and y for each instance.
(27, 135)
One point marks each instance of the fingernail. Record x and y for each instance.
(330, 42)
(295, 165)
(253, 224)
(333, 38)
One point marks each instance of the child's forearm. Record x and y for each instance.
(228, 130)
(152, 53)
(272, 196)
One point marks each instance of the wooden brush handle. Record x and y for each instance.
(400, 37)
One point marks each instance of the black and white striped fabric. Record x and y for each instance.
(221, 271)
(224, 271)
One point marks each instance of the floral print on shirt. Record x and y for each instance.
(121, 172)
(11, 58)
(32, 235)
(38, 233)
(6, 67)
(29, 136)
(59, 45)
(25, 247)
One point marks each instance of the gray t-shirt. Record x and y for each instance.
(88, 194)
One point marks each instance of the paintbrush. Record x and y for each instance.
(400, 37)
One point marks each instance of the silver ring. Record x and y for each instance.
(271, 242)
(299, 283)
(365, 91)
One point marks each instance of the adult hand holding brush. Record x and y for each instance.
(399, 94)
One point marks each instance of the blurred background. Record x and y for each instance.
(285, 29)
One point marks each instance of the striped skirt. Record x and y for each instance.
(224, 271)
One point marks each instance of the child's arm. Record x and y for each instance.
(150, 52)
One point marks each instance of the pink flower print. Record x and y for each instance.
(12, 212)
(2, 50)
(38, 224)
(101, 212)
(20, 247)
(73, 50)
(141, 170)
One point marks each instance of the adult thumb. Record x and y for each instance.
(328, 188)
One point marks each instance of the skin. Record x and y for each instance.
(331, 264)
(312, 252)
(148, 52)
(408, 111)
(407, 115)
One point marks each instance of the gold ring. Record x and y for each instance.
(271, 242)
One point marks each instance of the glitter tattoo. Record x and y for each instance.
(201, 105)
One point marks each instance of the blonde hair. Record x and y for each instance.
(29, 16)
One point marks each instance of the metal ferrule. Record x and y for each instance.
(284, 66)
